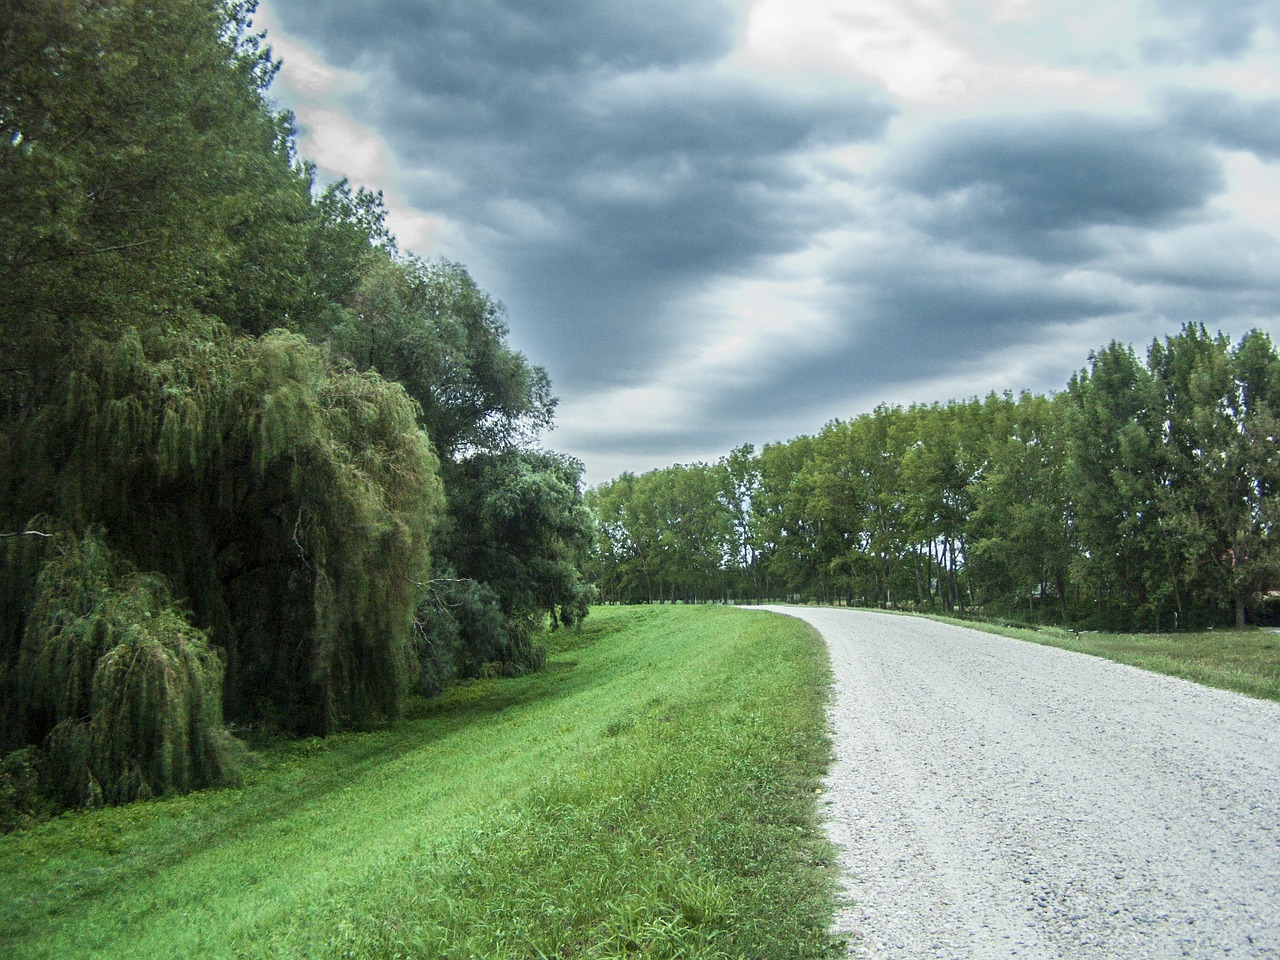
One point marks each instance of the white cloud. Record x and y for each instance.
(1254, 197)
(419, 232)
(951, 54)
(342, 147)
(305, 71)
(905, 45)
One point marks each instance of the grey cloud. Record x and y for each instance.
(598, 152)
(1205, 30)
(460, 42)
(915, 311)
(1037, 186)
(601, 163)
(1227, 120)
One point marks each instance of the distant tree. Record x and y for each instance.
(627, 557)
(1143, 496)
(740, 481)
(1023, 515)
(668, 534)
(1221, 466)
(1112, 420)
(787, 532)
(945, 452)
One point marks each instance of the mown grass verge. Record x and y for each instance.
(651, 794)
(1246, 661)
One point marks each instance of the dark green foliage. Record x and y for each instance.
(200, 382)
(1021, 525)
(460, 628)
(463, 633)
(670, 534)
(428, 326)
(141, 170)
(1111, 424)
(284, 498)
(23, 799)
(290, 503)
(22, 557)
(1145, 496)
(72, 623)
(520, 652)
(517, 530)
(128, 691)
(517, 521)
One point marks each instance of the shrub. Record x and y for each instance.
(22, 795)
(129, 692)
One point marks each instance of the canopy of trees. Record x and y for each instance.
(1142, 496)
(256, 467)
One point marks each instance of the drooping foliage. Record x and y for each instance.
(461, 632)
(283, 497)
(516, 534)
(111, 673)
(234, 410)
(1144, 496)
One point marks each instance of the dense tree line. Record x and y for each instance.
(1143, 496)
(257, 467)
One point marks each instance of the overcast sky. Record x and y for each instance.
(718, 223)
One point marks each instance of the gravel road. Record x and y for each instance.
(994, 798)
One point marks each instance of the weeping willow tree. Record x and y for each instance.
(289, 502)
(129, 691)
(515, 535)
(231, 520)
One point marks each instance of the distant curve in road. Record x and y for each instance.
(995, 798)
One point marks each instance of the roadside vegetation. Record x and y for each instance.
(652, 792)
(260, 471)
(1246, 661)
(1143, 497)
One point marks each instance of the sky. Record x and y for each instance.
(718, 222)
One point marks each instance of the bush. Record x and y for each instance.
(22, 795)
(460, 628)
(463, 633)
(127, 690)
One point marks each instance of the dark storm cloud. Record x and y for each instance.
(661, 186)
(609, 169)
(916, 311)
(464, 43)
(1228, 121)
(1207, 30)
(605, 158)
(1037, 186)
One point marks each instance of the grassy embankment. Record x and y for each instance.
(1246, 661)
(651, 794)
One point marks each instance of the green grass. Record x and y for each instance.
(1246, 661)
(651, 794)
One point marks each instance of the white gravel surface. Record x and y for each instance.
(994, 798)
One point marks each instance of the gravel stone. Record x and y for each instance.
(995, 798)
